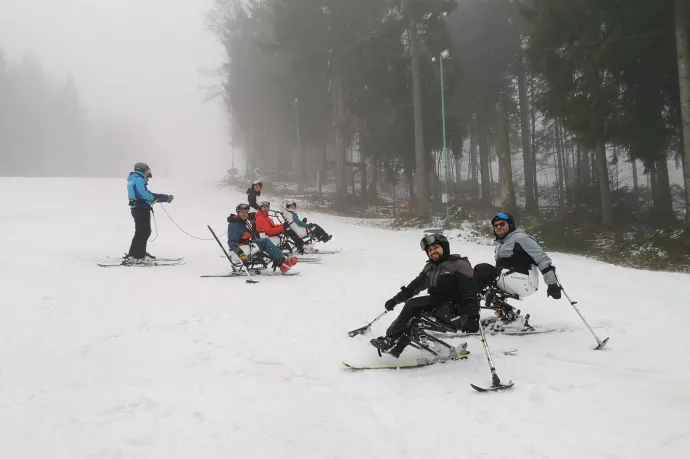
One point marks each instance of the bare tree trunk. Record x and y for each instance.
(373, 188)
(482, 140)
(683, 53)
(420, 157)
(577, 168)
(531, 205)
(340, 142)
(664, 205)
(559, 169)
(604, 190)
(508, 201)
(585, 173)
(533, 115)
(636, 184)
(473, 157)
(458, 170)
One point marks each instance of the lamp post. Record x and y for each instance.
(444, 55)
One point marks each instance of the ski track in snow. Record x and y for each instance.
(105, 363)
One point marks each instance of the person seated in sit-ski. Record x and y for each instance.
(301, 227)
(244, 244)
(265, 225)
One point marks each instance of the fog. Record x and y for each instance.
(137, 63)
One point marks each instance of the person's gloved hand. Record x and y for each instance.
(170, 198)
(244, 257)
(390, 304)
(304, 219)
(471, 325)
(554, 291)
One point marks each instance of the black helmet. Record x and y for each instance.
(436, 238)
(485, 274)
(242, 206)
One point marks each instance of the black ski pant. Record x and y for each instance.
(299, 243)
(318, 232)
(413, 308)
(142, 231)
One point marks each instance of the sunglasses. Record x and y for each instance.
(500, 224)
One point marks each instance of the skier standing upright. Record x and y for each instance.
(140, 202)
(452, 296)
(253, 192)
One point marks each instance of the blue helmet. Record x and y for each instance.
(506, 217)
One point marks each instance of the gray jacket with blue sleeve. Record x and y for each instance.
(518, 251)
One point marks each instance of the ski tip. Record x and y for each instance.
(601, 345)
(493, 388)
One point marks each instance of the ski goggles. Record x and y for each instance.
(290, 204)
(264, 204)
(429, 240)
(242, 208)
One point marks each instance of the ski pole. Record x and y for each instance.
(573, 303)
(495, 380)
(366, 328)
(249, 281)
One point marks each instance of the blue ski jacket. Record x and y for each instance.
(139, 194)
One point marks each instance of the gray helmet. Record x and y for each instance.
(142, 167)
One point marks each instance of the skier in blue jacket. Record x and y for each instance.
(140, 202)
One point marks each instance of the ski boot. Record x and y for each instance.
(390, 345)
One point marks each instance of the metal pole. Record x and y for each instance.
(445, 150)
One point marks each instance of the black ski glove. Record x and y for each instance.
(390, 304)
(471, 325)
(304, 219)
(554, 291)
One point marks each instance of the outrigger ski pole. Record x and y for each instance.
(250, 280)
(495, 381)
(573, 303)
(366, 328)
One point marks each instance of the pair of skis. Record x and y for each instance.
(496, 384)
(108, 262)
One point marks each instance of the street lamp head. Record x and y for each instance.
(445, 54)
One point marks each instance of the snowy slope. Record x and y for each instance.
(160, 363)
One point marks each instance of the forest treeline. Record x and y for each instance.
(360, 90)
(46, 131)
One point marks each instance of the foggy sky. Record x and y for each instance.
(136, 59)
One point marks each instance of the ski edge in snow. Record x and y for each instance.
(421, 362)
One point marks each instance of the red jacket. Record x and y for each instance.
(264, 224)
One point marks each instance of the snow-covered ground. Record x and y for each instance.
(160, 363)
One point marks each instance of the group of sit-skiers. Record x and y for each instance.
(249, 232)
(452, 283)
(245, 230)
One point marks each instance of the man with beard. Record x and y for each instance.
(452, 294)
